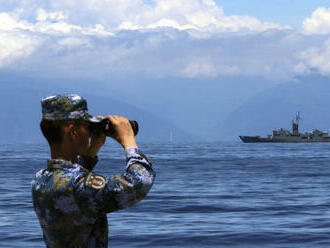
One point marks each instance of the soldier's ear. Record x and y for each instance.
(70, 130)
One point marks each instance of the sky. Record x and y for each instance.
(285, 12)
(187, 45)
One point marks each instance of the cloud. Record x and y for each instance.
(20, 38)
(194, 39)
(50, 23)
(204, 16)
(115, 15)
(64, 25)
(73, 42)
(10, 21)
(16, 46)
(203, 67)
(316, 58)
(43, 15)
(318, 23)
(169, 53)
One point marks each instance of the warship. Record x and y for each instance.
(285, 136)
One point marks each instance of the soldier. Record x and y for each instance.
(70, 200)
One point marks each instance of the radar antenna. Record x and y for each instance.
(298, 118)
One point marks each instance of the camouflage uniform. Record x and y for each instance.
(71, 201)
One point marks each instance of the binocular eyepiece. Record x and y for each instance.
(106, 127)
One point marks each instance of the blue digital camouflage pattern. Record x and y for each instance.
(65, 107)
(71, 201)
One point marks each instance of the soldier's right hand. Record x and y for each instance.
(97, 140)
(123, 134)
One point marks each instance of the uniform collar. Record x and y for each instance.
(59, 163)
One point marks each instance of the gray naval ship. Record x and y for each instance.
(285, 136)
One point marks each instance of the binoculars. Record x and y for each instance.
(106, 127)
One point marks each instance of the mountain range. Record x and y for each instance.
(187, 110)
(21, 112)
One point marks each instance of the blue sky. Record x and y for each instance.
(291, 12)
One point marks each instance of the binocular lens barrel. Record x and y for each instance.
(135, 127)
(106, 126)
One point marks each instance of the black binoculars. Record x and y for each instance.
(106, 127)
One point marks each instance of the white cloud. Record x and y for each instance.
(72, 23)
(200, 67)
(318, 23)
(15, 46)
(204, 16)
(317, 58)
(169, 23)
(19, 38)
(56, 28)
(50, 23)
(166, 38)
(10, 21)
(43, 15)
(114, 15)
(203, 67)
(73, 42)
(301, 69)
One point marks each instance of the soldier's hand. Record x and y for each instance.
(97, 140)
(123, 134)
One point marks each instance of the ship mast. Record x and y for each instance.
(295, 125)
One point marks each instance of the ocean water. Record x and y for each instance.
(205, 195)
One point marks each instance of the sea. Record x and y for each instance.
(221, 194)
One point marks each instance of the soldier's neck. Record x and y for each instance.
(63, 151)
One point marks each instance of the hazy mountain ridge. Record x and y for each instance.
(194, 105)
(21, 112)
(190, 115)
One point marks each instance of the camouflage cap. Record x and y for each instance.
(66, 107)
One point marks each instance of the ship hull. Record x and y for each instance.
(255, 139)
(289, 139)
